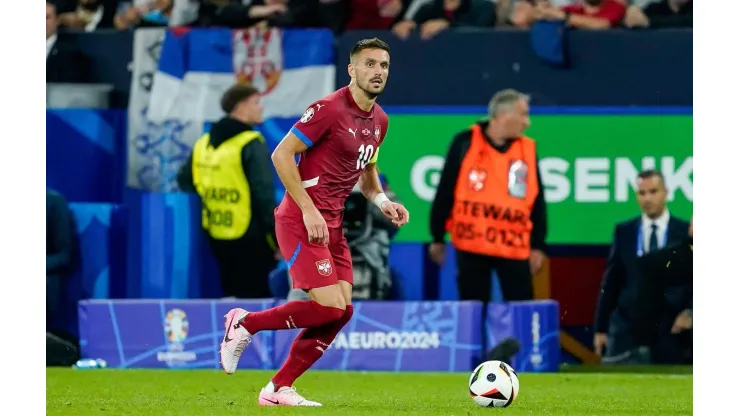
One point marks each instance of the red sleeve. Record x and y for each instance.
(613, 11)
(314, 123)
(573, 9)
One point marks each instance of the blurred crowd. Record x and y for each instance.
(403, 17)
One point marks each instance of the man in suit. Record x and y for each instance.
(616, 312)
(663, 330)
(64, 63)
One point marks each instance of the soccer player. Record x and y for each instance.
(337, 139)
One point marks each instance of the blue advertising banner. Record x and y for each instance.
(535, 325)
(165, 334)
(382, 336)
(402, 336)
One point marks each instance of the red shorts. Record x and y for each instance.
(311, 265)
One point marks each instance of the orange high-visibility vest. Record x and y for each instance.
(494, 196)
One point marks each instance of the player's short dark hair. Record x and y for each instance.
(652, 173)
(373, 43)
(236, 94)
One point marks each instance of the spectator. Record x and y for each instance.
(274, 13)
(491, 200)
(60, 258)
(654, 229)
(64, 63)
(590, 14)
(663, 14)
(88, 15)
(145, 13)
(435, 16)
(230, 169)
(520, 13)
(374, 14)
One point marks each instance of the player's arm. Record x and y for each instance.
(284, 160)
(369, 180)
(312, 127)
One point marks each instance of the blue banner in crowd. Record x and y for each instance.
(536, 325)
(382, 336)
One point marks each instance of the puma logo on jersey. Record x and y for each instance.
(318, 106)
(353, 132)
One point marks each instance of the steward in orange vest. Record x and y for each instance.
(490, 199)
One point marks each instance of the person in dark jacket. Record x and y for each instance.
(59, 248)
(618, 304)
(663, 329)
(230, 169)
(64, 62)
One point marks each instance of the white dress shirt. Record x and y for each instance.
(50, 41)
(647, 229)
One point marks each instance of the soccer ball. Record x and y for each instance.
(494, 384)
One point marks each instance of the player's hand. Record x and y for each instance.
(599, 343)
(437, 253)
(683, 322)
(396, 212)
(536, 260)
(318, 233)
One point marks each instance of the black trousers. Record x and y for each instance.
(244, 266)
(474, 277)
(664, 291)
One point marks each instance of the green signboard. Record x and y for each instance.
(588, 165)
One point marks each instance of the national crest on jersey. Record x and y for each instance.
(323, 267)
(308, 115)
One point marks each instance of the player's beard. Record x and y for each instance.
(368, 93)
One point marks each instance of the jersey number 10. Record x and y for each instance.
(366, 153)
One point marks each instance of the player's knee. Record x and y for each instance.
(336, 302)
(331, 313)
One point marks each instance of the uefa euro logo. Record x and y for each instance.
(176, 326)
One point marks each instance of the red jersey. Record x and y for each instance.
(342, 139)
(611, 10)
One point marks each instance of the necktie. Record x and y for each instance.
(653, 238)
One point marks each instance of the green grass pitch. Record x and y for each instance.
(208, 392)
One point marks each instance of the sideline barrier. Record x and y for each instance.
(382, 336)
